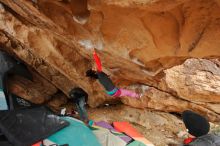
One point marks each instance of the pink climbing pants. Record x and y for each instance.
(124, 92)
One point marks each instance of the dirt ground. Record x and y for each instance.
(160, 128)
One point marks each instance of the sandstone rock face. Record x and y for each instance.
(143, 44)
(37, 91)
(196, 80)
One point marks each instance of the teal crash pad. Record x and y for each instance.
(76, 134)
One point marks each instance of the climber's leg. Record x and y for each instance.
(125, 92)
(106, 82)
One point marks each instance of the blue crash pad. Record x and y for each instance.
(76, 134)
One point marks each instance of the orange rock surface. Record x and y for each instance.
(151, 46)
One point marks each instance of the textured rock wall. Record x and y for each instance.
(143, 45)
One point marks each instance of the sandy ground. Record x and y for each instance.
(158, 127)
(162, 129)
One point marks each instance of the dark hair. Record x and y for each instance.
(92, 74)
(77, 93)
(195, 123)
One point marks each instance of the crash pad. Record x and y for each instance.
(3, 101)
(106, 138)
(76, 134)
(106, 125)
(136, 143)
(5, 143)
(128, 129)
(28, 126)
(37, 144)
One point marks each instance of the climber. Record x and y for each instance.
(79, 97)
(198, 129)
(107, 83)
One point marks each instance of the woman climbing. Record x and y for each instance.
(107, 83)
